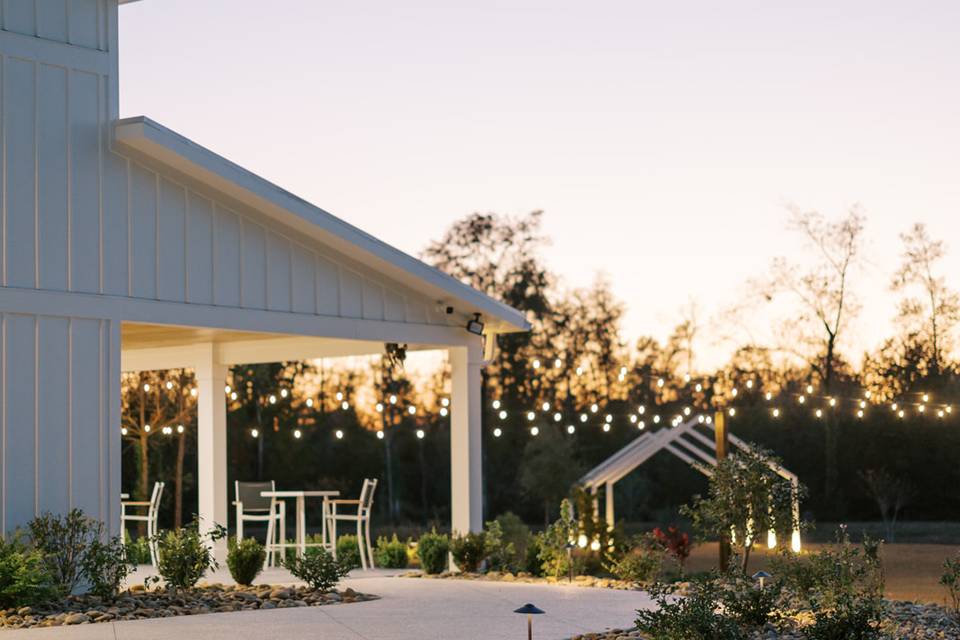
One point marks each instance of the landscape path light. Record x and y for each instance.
(761, 576)
(531, 611)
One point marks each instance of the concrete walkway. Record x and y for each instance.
(408, 609)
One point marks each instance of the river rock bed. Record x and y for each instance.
(902, 621)
(497, 576)
(140, 604)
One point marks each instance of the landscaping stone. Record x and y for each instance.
(524, 577)
(139, 604)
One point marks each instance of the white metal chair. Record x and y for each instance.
(150, 517)
(362, 517)
(252, 507)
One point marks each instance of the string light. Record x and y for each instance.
(819, 413)
(776, 412)
(254, 433)
(583, 417)
(146, 387)
(123, 431)
(557, 363)
(656, 419)
(557, 417)
(809, 388)
(641, 409)
(641, 425)
(297, 434)
(412, 410)
(420, 434)
(594, 408)
(579, 371)
(571, 429)
(503, 415)
(226, 389)
(169, 385)
(339, 396)
(732, 412)
(926, 398)
(193, 393)
(608, 418)
(379, 407)
(146, 428)
(310, 404)
(379, 435)
(496, 404)
(393, 399)
(606, 427)
(444, 402)
(272, 399)
(531, 416)
(345, 405)
(497, 432)
(660, 383)
(534, 431)
(536, 364)
(233, 395)
(443, 412)
(801, 399)
(284, 393)
(179, 428)
(339, 434)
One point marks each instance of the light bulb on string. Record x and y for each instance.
(339, 395)
(226, 389)
(809, 388)
(497, 432)
(503, 415)
(420, 434)
(769, 396)
(444, 402)
(921, 408)
(179, 428)
(594, 408)
(123, 431)
(660, 383)
(284, 393)
(443, 412)
(536, 364)
(393, 399)
(699, 387)
(802, 399)
(606, 427)
(894, 406)
(309, 403)
(641, 409)
(345, 405)
(859, 413)
(297, 434)
(832, 402)
(579, 371)
(733, 392)
(776, 412)
(583, 417)
(819, 413)
(732, 412)
(571, 429)
(686, 378)
(557, 417)
(169, 385)
(656, 419)
(379, 435)
(749, 384)
(534, 431)
(379, 407)
(412, 410)
(900, 413)
(686, 411)
(233, 395)
(339, 434)
(641, 425)
(926, 398)
(193, 392)
(146, 428)
(531, 416)
(272, 399)
(633, 418)
(545, 406)
(608, 419)
(146, 387)
(254, 433)
(496, 404)
(557, 363)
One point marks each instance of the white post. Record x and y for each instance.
(466, 474)
(212, 442)
(608, 494)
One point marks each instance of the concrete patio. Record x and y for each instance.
(409, 609)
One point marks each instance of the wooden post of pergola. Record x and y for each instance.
(722, 441)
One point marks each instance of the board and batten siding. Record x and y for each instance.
(60, 380)
(82, 23)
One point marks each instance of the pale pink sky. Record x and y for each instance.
(661, 138)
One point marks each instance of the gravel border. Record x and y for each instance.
(140, 604)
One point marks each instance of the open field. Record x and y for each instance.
(912, 570)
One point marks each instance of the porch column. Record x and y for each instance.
(212, 442)
(466, 476)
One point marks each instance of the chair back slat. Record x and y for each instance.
(155, 496)
(366, 493)
(249, 494)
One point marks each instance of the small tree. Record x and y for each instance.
(745, 498)
(890, 493)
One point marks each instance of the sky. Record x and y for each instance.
(663, 140)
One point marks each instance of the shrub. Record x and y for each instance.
(185, 555)
(640, 565)
(318, 569)
(63, 542)
(951, 580)
(469, 550)
(24, 579)
(245, 560)
(553, 555)
(850, 618)
(105, 565)
(138, 550)
(500, 554)
(531, 560)
(745, 602)
(433, 549)
(348, 551)
(676, 542)
(514, 538)
(694, 617)
(392, 553)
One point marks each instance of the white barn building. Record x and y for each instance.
(125, 246)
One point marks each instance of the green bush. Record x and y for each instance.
(694, 617)
(24, 579)
(469, 550)
(105, 565)
(531, 560)
(744, 600)
(513, 541)
(849, 618)
(348, 551)
(392, 553)
(554, 558)
(245, 560)
(432, 549)
(318, 569)
(63, 542)
(138, 550)
(501, 555)
(640, 565)
(951, 580)
(185, 555)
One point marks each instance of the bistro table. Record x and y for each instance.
(301, 535)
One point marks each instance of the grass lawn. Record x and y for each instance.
(912, 570)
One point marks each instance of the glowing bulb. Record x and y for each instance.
(339, 396)
(273, 399)
(900, 413)
(867, 394)
(776, 413)
(733, 392)
(633, 419)
(771, 539)
(123, 431)
(496, 404)
(594, 408)
(379, 435)
(940, 413)
(809, 388)
(641, 425)
(227, 389)
(179, 428)
(503, 415)
(412, 410)
(606, 427)
(534, 431)
(146, 428)
(531, 415)
(339, 434)
(609, 418)
(833, 402)
(443, 412)
(700, 419)
(894, 406)
(595, 545)
(656, 419)
(233, 395)
(769, 396)
(921, 408)
(193, 393)
(545, 406)
(579, 371)
(254, 433)
(926, 398)
(557, 363)
(863, 404)
(686, 411)
(536, 364)
(699, 387)
(641, 409)
(819, 413)
(310, 402)
(948, 409)
(393, 399)
(169, 385)
(497, 432)
(146, 387)
(284, 393)
(445, 402)
(557, 417)
(660, 382)
(297, 434)
(686, 377)
(167, 430)
(582, 541)
(571, 429)
(583, 417)
(749, 384)
(379, 407)
(345, 405)
(801, 399)
(732, 412)
(859, 413)
(420, 434)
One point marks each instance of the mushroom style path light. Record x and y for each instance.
(531, 611)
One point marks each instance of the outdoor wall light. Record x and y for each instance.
(475, 326)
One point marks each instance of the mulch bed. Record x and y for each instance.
(140, 604)
(903, 621)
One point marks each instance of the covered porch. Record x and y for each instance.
(210, 352)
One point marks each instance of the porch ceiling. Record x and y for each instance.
(153, 346)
